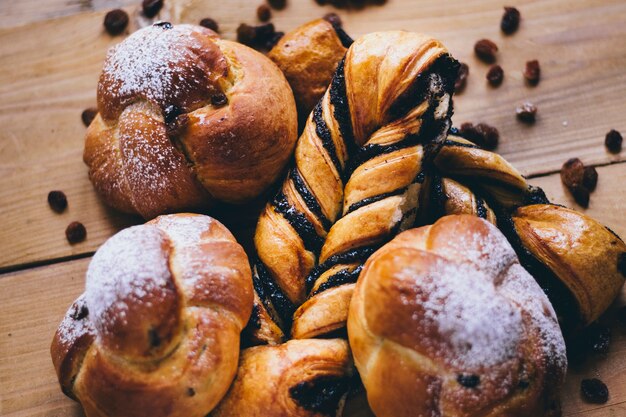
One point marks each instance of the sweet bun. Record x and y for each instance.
(186, 119)
(300, 378)
(156, 332)
(445, 321)
(308, 56)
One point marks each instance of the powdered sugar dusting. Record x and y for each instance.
(128, 267)
(73, 327)
(184, 230)
(152, 63)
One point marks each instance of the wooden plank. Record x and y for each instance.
(34, 301)
(49, 72)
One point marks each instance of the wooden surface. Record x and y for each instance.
(52, 52)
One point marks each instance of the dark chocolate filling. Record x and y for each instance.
(344, 38)
(373, 199)
(321, 395)
(305, 229)
(341, 112)
(309, 199)
(345, 276)
(449, 142)
(272, 295)
(481, 209)
(351, 256)
(321, 128)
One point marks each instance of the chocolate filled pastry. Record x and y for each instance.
(156, 332)
(308, 56)
(389, 99)
(300, 378)
(445, 321)
(186, 119)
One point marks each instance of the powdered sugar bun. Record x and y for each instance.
(445, 321)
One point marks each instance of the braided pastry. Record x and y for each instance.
(185, 119)
(391, 93)
(445, 321)
(156, 332)
(308, 56)
(304, 378)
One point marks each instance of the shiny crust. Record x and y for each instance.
(274, 380)
(581, 252)
(308, 56)
(146, 340)
(379, 99)
(138, 163)
(411, 366)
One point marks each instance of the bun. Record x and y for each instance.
(156, 332)
(300, 378)
(445, 321)
(186, 119)
(389, 95)
(308, 56)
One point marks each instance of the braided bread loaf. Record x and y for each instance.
(186, 118)
(390, 93)
(308, 56)
(156, 332)
(445, 321)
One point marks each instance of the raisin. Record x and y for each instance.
(116, 21)
(461, 78)
(594, 391)
(219, 99)
(590, 178)
(209, 23)
(75, 232)
(482, 134)
(468, 380)
(495, 75)
(486, 50)
(510, 20)
(191, 392)
(277, 4)
(613, 141)
(88, 115)
(151, 7)
(532, 72)
(79, 312)
(527, 112)
(57, 201)
(264, 13)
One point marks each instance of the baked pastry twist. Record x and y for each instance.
(186, 119)
(445, 321)
(156, 332)
(390, 93)
(308, 56)
(304, 378)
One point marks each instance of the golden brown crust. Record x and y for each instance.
(444, 321)
(308, 56)
(157, 331)
(300, 378)
(581, 252)
(186, 119)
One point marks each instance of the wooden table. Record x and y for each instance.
(51, 54)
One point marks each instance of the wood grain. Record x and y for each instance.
(34, 301)
(49, 72)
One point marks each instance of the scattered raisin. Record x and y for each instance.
(527, 112)
(75, 232)
(532, 72)
(259, 37)
(57, 201)
(277, 4)
(573, 177)
(209, 23)
(510, 20)
(594, 391)
(151, 7)
(79, 313)
(495, 75)
(88, 115)
(191, 392)
(116, 21)
(613, 141)
(219, 99)
(486, 50)
(483, 135)
(461, 78)
(590, 178)
(598, 338)
(468, 380)
(264, 13)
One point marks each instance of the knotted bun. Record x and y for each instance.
(445, 321)
(156, 332)
(185, 119)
